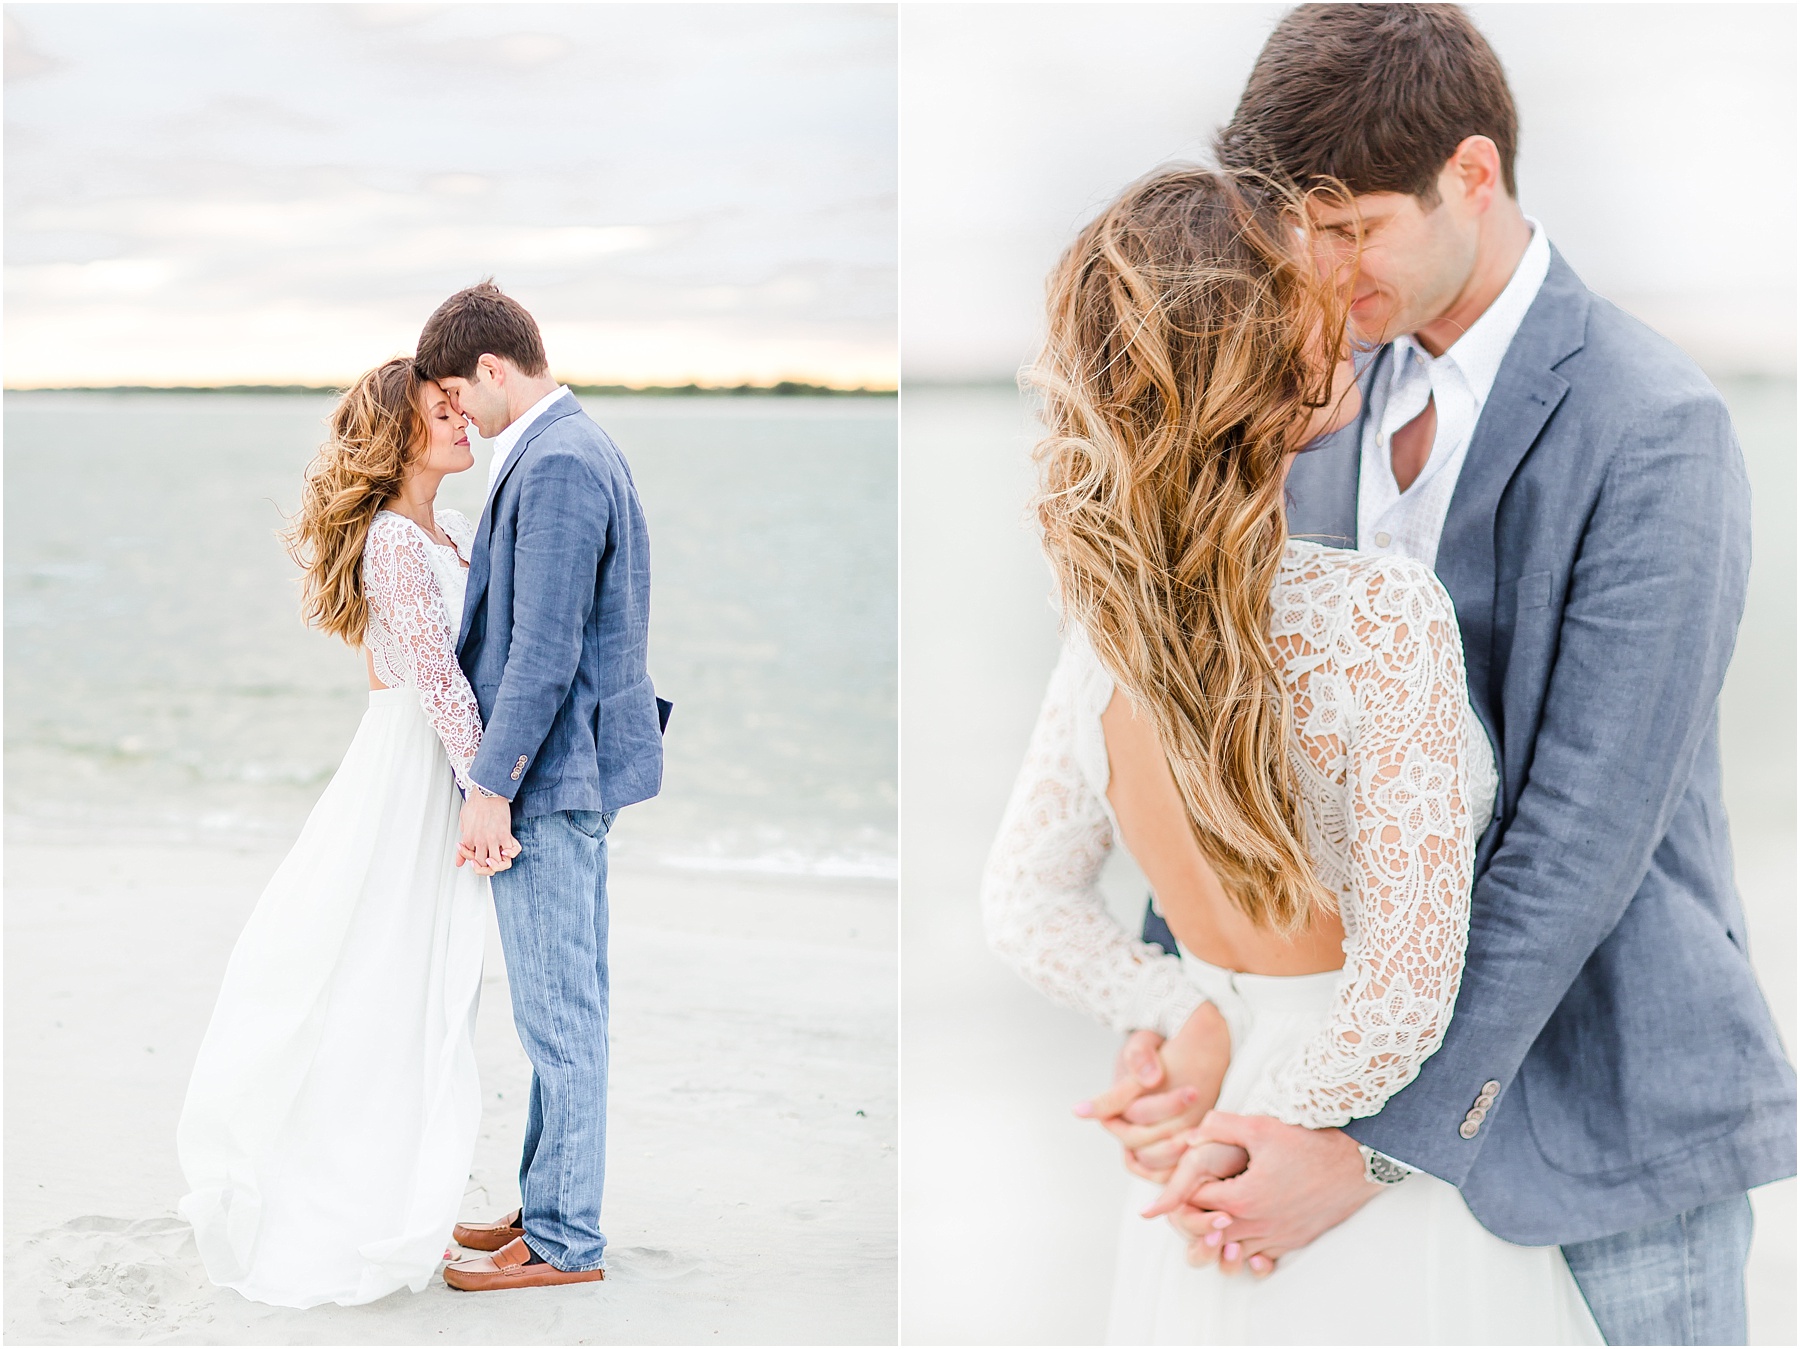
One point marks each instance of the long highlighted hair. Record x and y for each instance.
(377, 431)
(1181, 363)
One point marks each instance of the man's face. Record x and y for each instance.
(482, 399)
(1414, 262)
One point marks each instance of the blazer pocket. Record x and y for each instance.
(1530, 591)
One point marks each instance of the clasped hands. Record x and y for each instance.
(1242, 1190)
(487, 841)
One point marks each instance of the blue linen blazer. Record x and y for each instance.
(556, 626)
(1596, 549)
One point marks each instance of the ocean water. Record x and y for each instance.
(160, 684)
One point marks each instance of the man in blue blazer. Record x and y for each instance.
(1611, 1080)
(555, 627)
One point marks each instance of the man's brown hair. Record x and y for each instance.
(1375, 96)
(481, 320)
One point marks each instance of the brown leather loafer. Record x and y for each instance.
(490, 1236)
(508, 1268)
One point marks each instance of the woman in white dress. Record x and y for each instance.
(1281, 735)
(331, 1119)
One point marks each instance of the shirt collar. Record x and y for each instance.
(504, 442)
(1479, 351)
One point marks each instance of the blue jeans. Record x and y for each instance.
(551, 904)
(1675, 1282)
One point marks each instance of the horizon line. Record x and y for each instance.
(778, 388)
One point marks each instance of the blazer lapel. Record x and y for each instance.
(1526, 391)
(479, 568)
(562, 407)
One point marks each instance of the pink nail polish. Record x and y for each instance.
(1221, 1222)
(1233, 1250)
(1213, 1238)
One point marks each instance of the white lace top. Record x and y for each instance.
(415, 590)
(1397, 782)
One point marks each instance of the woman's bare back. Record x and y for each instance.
(1155, 830)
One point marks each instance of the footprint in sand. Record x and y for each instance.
(140, 1276)
(649, 1263)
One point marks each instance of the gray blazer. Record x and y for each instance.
(1596, 549)
(556, 622)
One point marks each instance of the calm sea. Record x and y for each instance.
(159, 683)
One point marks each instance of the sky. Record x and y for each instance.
(1657, 147)
(274, 194)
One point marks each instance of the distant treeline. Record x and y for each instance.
(787, 388)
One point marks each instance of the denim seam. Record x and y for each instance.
(562, 1170)
(541, 941)
(1691, 1331)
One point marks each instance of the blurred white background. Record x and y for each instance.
(274, 194)
(1657, 146)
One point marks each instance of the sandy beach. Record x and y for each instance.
(751, 1159)
(170, 724)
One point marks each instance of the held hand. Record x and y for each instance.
(1133, 1111)
(1203, 1230)
(1149, 1124)
(1300, 1183)
(1137, 1070)
(1202, 1161)
(466, 854)
(1194, 1058)
(477, 867)
(487, 839)
(1152, 1129)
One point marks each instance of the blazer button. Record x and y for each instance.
(1477, 1114)
(518, 768)
(1490, 1089)
(1469, 1128)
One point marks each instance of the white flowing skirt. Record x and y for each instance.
(331, 1119)
(1412, 1266)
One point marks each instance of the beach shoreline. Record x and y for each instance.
(752, 1123)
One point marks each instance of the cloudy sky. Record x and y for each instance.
(1656, 144)
(251, 193)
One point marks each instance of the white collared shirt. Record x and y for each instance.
(507, 440)
(1410, 523)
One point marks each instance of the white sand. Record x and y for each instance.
(751, 1159)
(1010, 1206)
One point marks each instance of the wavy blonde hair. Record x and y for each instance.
(1182, 362)
(377, 432)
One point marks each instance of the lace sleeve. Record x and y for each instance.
(1040, 898)
(410, 637)
(1412, 853)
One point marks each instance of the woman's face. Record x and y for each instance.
(446, 434)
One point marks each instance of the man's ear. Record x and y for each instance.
(492, 367)
(1476, 165)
